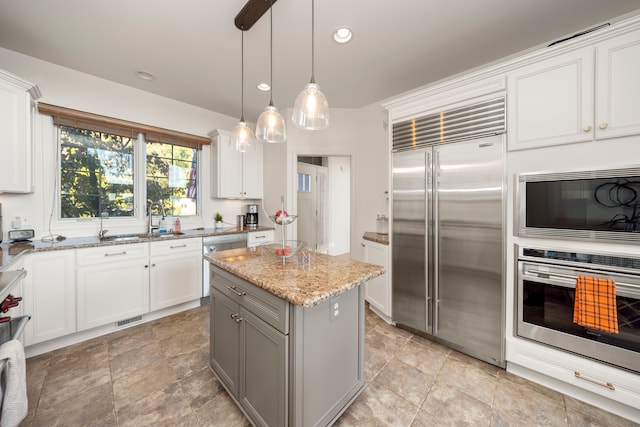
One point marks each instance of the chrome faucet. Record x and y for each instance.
(151, 227)
(102, 232)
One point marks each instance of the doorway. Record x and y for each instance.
(323, 199)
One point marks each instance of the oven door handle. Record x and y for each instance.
(622, 289)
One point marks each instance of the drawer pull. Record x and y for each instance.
(236, 317)
(235, 291)
(260, 237)
(179, 246)
(116, 254)
(596, 382)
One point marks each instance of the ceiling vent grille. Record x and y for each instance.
(471, 121)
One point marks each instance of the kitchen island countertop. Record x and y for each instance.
(299, 282)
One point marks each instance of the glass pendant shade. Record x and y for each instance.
(242, 138)
(311, 109)
(271, 126)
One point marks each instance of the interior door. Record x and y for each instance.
(468, 234)
(307, 205)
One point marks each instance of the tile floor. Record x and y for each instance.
(157, 374)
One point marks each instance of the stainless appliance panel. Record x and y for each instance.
(545, 299)
(409, 269)
(468, 215)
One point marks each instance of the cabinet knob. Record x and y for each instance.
(236, 317)
(604, 125)
(363, 245)
(587, 128)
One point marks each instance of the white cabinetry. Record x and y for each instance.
(17, 111)
(551, 102)
(176, 272)
(378, 290)
(256, 238)
(618, 86)
(234, 174)
(50, 295)
(554, 101)
(113, 284)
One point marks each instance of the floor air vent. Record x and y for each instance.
(127, 321)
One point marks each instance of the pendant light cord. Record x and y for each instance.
(242, 73)
(271, 54)
(313, 20)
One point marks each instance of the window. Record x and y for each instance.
(104, 167)
(172, 177)
(96, 174)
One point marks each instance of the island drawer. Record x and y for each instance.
(263, 304)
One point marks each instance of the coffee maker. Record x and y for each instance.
(252, 216)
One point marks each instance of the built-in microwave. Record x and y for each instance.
(601, 204)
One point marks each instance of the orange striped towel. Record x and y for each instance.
(595, 304)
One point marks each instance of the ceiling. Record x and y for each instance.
(193, 47)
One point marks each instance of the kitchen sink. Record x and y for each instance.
(123, 238)
(136, 237)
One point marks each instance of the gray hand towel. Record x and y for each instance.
(13, 384)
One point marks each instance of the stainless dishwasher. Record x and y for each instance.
(211, 244)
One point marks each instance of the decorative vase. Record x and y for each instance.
(218, 224)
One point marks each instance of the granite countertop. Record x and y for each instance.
(11, 252)
(376, 237)
(301, 283)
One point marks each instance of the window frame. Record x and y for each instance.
(82, 120)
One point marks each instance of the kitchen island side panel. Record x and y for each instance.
(327, 358)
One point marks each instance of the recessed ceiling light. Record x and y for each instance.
(144, 75)
(342, 34)
(264, 87)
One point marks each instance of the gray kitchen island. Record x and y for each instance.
(287, 340)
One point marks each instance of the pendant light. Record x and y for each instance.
(311, 110)
(242, 137)
(271, 126)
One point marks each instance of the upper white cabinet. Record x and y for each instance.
(618, 86)
(234, 174)
(17, 112)
(577, 96)
(551, 102)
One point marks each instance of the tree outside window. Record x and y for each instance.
(96, 174)
(172, 172)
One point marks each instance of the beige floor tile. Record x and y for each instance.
(157, 374)
(470, 379)
(406, 381)
(135, 359)
(516, 402)
(141, 383)
(166, 407)
(427, 359)
(450, 403)
(378, 406)
(85, 408)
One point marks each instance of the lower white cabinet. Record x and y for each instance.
(176, 272)
(112, 283)
(49, 295)
(377, 290)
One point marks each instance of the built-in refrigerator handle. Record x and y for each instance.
(427, 236)
(434, 274)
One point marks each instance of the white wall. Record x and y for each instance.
(72, 89)
(339, 139)
(339, 201)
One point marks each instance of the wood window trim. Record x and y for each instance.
(81, 119)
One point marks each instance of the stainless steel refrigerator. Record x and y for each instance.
(447, 244)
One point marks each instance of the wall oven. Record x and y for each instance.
(545, 303)
(602, 204)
